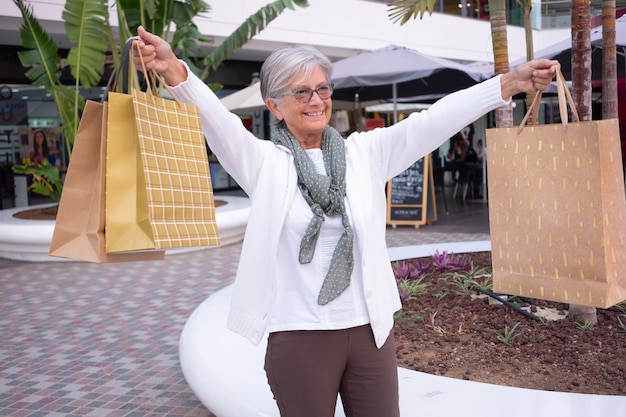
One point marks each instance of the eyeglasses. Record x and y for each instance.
(304, 94)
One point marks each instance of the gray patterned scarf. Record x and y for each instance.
(324, 194)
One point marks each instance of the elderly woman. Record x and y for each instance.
(314, 271)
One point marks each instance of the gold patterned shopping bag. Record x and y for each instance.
(557, 210)
(159, 192)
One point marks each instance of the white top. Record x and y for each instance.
(298, 284)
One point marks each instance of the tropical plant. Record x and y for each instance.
(88, 27)
(41, 55)
(404, 270)
(409, 289)
(509, 335)
(451, 262)
(431, 324)
(47, 180)
(465, 283)
(585, 325)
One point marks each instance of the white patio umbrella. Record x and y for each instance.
(246, 100)
(395, 71)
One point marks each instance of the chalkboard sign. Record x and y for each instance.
(408, 187)
(411, 195)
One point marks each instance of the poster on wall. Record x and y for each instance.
(37, 144)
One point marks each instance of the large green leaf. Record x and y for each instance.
(85, 25)
(247, 30)
(154, 15)
(70, 105)
(41, 54)
(186, 38)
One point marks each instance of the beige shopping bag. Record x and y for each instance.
(557, 210)
(159, 192)
(79, 227)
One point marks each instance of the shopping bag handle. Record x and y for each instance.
(564, 97)
(151, 76)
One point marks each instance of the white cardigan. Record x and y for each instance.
(267, 174)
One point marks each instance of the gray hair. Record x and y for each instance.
(283, 65)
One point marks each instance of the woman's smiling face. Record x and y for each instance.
(306, 121)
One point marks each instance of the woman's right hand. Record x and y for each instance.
(158, 56)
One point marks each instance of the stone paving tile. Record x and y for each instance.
(82, 339)
(101, 340)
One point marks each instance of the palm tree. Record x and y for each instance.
(88, 27)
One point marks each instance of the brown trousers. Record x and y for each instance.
(307, 369)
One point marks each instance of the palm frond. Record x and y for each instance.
(247, 30)
(85, 24)
(404, 10)
(41, 53)
(187, 35)
(132, 11)
(70, 105)
(153, 15)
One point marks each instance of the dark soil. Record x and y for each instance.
(39, 213)
(442, 332)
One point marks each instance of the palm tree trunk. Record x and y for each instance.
(581, 57)
(609, 62)
(581, 92)
(497, 17)
(526, 5)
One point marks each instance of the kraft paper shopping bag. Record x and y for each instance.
(557, 210)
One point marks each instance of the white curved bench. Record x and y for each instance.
(29, 240)
(226, 372)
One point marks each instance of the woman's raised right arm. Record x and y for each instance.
(237, 149)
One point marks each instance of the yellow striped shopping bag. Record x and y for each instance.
(158, 181)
